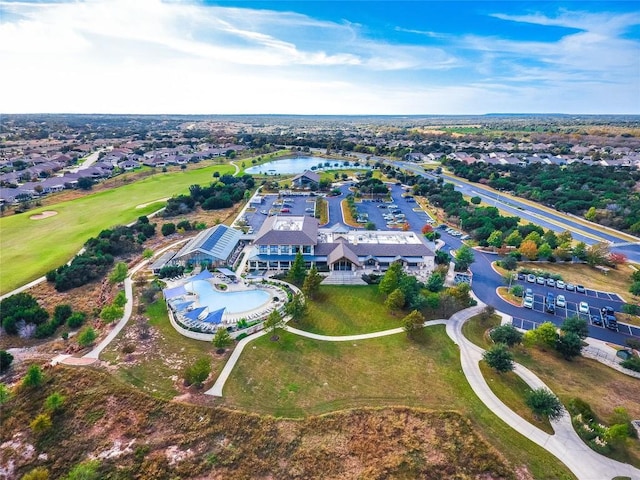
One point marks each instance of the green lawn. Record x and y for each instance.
(30, 248)
(347, 310)
(295, 377)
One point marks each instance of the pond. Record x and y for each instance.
(300, 164)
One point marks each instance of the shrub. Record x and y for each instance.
(517, 290)
(76, 319)
(38, 473)
(5, 360)
(86, 337)
(121, 299)
(198, 372)
(119, 273)
(61, 313)
(34, 376)
(111, 313)
(54, 402)
(632, 363)
(41, 423)
(577, 406)
(168, 229)
(84, 471)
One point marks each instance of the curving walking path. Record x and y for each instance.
(565, 444)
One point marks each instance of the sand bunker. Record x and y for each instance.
(45, 214)
(142, 205)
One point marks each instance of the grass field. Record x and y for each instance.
(348, 310)
(296, 377)
(30, 248)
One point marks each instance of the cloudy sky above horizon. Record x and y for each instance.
(319, 57)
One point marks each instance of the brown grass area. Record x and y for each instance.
(163, 440)
(509, 297)
(616, 281)
(347, 217)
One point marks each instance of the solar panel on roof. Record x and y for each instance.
(210, 242)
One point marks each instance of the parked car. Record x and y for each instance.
(528, 302)
(521, 276)
(560, 284)
(540, 280)
(570, 287)
(285, 210)
(531, 278)
(264, 212)
(528, 292)
(549, 303)
(596, 319)
(580, 289)
(583, 307)
(551, 282)
(561, 301)
(609, 318)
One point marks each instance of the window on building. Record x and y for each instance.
(306, 249)
(263, 249)
(284, 249)
(273, 249)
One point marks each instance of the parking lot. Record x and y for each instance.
(272, 205)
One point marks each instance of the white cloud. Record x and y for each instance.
(149, 56)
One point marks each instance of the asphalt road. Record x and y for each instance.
(555, 221)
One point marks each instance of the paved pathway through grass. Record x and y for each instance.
(565, 443)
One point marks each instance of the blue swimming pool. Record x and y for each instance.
(234, 302)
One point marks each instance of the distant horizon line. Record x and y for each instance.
(412, 115)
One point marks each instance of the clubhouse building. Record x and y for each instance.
(335, 249)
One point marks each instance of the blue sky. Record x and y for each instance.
(320, 57)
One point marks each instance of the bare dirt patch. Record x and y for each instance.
(45, 214)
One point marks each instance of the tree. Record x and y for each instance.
(442, 258)
(576, 325)
(565, 238)
(413, 322)
(464, 258)
(273, 322)
(296, 307)
(616, 259)
(391, 278)
(86, 337)
(495, 239)
(506, 334)
(545, 251)
(34, 377)
(20, 307)
(509, 262)
(580, 250)
(499, 358)
(198, 372)
(569, 345)
(61, 313)
(54, 402)
(476, 200)
(597, 254)
(395, 301)
(591, 214)
(529, 249)
(168, 228)
(514, 239)
(147, 254)
(435, 283)
(544, 403)
(634, 289)
(297, 273)
(312, 282)
(221, 339)
(120, 299)
(534, 237)
(550, 237)
(5, 360)
(85, 183)
(544, 335)
(119, 273)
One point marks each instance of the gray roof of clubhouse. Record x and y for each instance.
(218, 241)
(288, 230)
